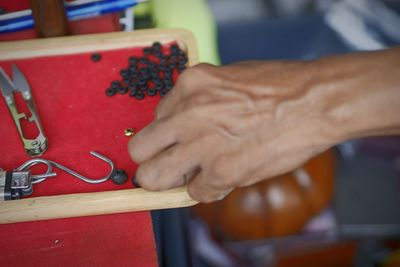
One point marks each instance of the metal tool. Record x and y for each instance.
(33, 147)
(18, 183)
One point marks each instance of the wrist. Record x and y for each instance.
(359, 94)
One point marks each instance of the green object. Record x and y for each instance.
(193, 15)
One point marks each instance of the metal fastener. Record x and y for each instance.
(129, 132)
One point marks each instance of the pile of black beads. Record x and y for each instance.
(151, 74)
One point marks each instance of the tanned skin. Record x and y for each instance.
(234, 125)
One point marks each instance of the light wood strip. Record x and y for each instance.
(87, 204)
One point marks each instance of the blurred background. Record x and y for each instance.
(340, 209)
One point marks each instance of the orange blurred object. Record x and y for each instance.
(274, 207)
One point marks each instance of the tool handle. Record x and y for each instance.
(88, 204)
(50, 17)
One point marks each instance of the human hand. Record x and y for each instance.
(231, 126)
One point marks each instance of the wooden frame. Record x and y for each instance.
(108, 202)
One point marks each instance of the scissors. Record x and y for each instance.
(33, 147)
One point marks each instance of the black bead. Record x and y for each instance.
(133, 85)
(161, 56)
(169, 86)
(168, 72)
(154, 74)
(142, 81)
(156, 46)
(122, 90)
(181, 68)
(158, 86)
(139, 95)
(143, 70)
(119, 176)
(110, 91)
(126, 80)
(115, 84)
(152, 65)
(124, 72)
(182, 60)
(133, 61)
(147, 51)
(151, 92)
(181, 53)
(163, 92)
(96, 57)
(144, 61)
(132, 92)
(135, 182)
(143, 87)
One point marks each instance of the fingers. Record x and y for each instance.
(169, 168)
(167, 104)
(151, 140)
(202, 190)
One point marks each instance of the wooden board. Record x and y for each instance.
(85, 204)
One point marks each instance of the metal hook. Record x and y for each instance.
(37, 178)
(49, 173)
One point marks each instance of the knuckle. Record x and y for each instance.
(194, 73)
(222, 173)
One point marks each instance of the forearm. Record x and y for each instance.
(359, 93)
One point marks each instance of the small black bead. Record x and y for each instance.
(154, 75)
(135, 182)
(182, 60)
(122, 90)
(152, 65)
(147, 51)
(174, 47)
(151, 92)
(110, 91)
(143, 70)
(133, 85)
(142, 81)
(169, 86)
(119, 176)
(126, 80)
(163, 92)
(168, 72)
(133, 61)
(124, 72)
(181, 53)
(161, 56)
(143, 87)
(96, 57)
(144, 61)
(156, 46)
(115, 84)
(181, 68)
(132, 92)
(139, 95)
(158, 86)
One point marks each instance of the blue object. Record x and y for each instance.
(73, 12)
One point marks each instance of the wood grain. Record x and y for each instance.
(87, 204)
(98, 42)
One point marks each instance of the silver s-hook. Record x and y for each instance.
(50, 164)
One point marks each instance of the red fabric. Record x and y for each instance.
(78, 117)
(14, 5)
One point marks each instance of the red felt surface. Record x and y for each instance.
(78, 117)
